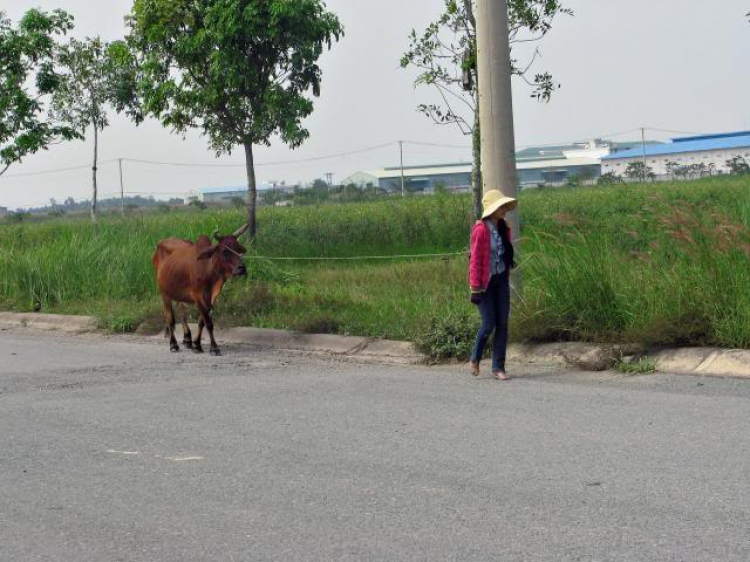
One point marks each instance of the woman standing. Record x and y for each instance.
(489, 278)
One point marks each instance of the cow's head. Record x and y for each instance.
(227, 253)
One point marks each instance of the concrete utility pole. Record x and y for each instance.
(496, 106)
(643, 148)
(403, 188)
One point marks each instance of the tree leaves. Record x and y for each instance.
(238, 70)
(27, 56)
(447, 48)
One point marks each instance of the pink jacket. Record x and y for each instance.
(480, 262)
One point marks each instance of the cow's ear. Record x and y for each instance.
(207, 254)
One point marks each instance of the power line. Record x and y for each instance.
(278, 163)
(194, 165)
(465, 147)
(330, 156)
(56, 170)
(560, 143)
(174, 193)
(670, 131)
(579, 141)
(602, 136)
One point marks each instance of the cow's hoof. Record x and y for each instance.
(197, 348)
(215, 351)
(174, 348)
(188, 344)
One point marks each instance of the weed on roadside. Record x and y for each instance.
(642, 366)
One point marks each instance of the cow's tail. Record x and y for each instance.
(159, 256)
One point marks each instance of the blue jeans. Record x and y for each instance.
(495, 309)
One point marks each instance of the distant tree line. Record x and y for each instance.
(320, 192)
(70, 205)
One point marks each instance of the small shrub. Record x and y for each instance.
(152, 323)
(18, 217)
(119, 324)
(610, 178)
(322, 324)
(258, 299)
(197, 204)
(448, 336)
(642, 366)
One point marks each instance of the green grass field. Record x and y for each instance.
(660, 263)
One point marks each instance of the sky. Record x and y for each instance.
(672, 66)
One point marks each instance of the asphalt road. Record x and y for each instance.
(112, 449)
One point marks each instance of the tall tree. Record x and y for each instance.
(238, 70)
(27, 80)
(445, 56)
(84, 90)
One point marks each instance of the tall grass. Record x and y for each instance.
(61, 261)
(657, 263)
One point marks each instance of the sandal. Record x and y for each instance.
(474, 368)
(500, 376)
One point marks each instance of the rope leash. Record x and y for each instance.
(355, 258)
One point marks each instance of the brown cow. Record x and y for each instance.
(188, 272)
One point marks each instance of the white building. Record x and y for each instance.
(535, 166)
(416, 178)
(712, 151)
(228, 195)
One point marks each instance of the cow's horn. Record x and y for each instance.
(241, 231)
(215, 235)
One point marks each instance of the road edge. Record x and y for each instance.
(704, 361)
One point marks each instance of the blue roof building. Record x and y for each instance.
(713, 151)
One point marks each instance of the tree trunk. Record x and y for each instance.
(476, 137)
(252, 192)
(476, 171)
(93, 171)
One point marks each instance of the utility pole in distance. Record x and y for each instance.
(496, 106)
(403, 188)
(122, 188)
(643, 148)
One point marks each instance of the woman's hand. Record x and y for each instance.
(476, 297)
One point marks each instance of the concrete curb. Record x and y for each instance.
(594, 357)
(704, 361)
(697, 361)
(57, 322)
(365, 348)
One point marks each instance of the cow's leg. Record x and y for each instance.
(197, 347)
(187, 338)
(206, 316)
(169, 319)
